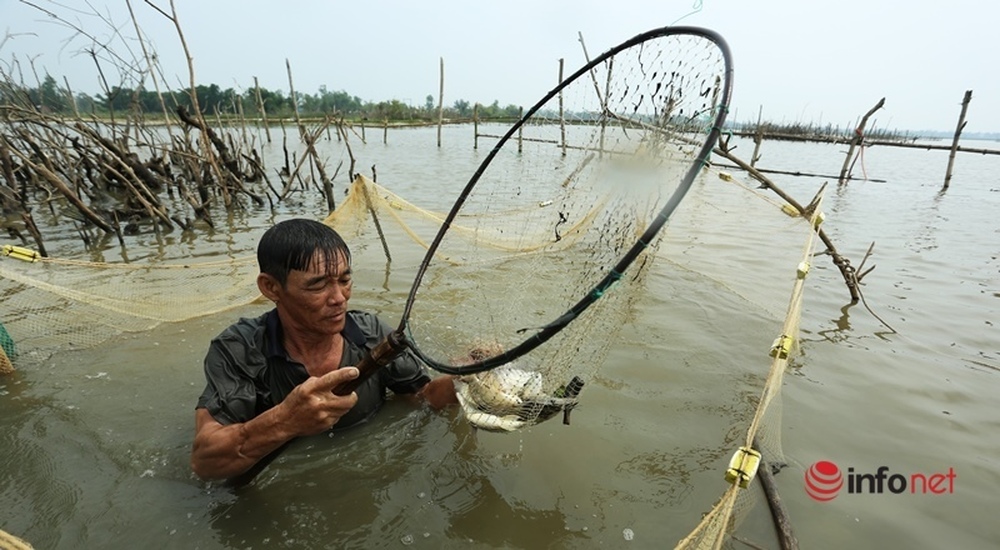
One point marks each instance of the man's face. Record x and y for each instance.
(315, 300)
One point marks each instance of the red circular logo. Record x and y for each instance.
(823, 481)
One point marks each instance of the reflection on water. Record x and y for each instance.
(95, 443)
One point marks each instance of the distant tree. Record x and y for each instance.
(462, 106)
(274, 102)
(512, 111)
(392, 110)
(85, 103)
(429, 103)
(116, 98)
(50, 96)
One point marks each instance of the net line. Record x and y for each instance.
(721, 521)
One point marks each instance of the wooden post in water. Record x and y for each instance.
(758, 137)
(295, 101)
(562, 119)
(520, 129)
(385, 131)
(475, 126)
(958, 133)
(604, 101)
(441, 102)
(263, 112)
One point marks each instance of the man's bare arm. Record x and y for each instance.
(224, 451)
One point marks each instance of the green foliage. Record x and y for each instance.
(227, 102)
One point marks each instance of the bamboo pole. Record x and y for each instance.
(440, 102)
(263, 112)
(604, 105)
(520, 130)
(475, 126)
(295, 101)
(758, 138)
(562, 118)
(958, 133)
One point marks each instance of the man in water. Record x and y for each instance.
(270, 379)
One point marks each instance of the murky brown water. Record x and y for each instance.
(94, 444)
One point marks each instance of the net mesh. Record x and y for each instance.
(763, 435)
(53, 304)
(549, 216)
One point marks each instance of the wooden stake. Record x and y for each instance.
(441, 102)
(520, 130)
(958, 133)
(562, 120)
(758, 138)
(295, 101)
(260, 106)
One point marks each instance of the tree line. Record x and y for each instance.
(51, 98)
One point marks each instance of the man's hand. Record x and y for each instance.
(224, 451)
(312, 407)
(440, 392)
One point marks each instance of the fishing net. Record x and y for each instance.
(760, 448)
(550, 240)
(52, 304)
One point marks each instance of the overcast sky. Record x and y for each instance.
(801, 61)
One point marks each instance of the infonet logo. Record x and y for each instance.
(824, 480)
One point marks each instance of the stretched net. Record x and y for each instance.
(552, 237)
(53, 304)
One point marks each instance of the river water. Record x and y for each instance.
(94, 443)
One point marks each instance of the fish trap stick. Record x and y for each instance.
(570, 199)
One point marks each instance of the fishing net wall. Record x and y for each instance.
(759, 451)
(52, 304)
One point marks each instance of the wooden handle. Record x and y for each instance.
(379, 356)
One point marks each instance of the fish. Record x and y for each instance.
(509, 398)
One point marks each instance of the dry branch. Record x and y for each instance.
(859, 137)
(71, 196)
(847, 271)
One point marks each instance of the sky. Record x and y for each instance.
(796, 61)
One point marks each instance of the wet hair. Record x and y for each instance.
(292, 244)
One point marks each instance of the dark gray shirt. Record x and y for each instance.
(248, 370)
